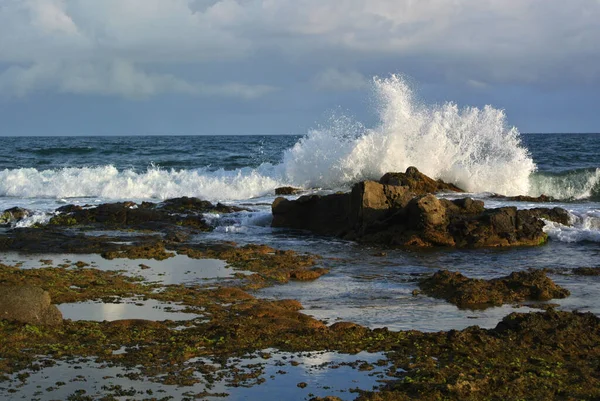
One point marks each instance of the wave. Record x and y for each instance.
(471, 147)
(108, 182)
(585, 226)
(568, 185)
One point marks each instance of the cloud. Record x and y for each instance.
(109, 47)
(118, 78)
(334, 79)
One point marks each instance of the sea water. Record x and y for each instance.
(476, 148)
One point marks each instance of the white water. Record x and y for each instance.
(471, 147)
(585, 226)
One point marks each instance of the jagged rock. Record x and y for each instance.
(28, 304)
(418, 182)
(471, 293)
(378, 212)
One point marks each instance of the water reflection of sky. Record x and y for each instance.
(325, 373)
(148, 309)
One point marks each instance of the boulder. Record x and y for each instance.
(13, 215)
(28, 304)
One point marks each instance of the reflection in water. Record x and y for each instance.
(324, 373)
(149, 310)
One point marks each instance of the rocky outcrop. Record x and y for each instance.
(28, 304)
(182, 212)
(386, 213)
(471, 293)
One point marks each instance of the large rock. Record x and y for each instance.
(341, 214)
(28, 304)
(384, 213)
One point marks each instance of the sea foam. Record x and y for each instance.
(471, 147)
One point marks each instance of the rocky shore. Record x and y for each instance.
(535, 356)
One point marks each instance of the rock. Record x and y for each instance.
(287, 191)
(418, 182)
(195, 205)
(524, 198)
(327, 215)
(346, 326)
(180, 211)
(587, 271)
(28, 304)
(386, 214)
(341, 213)
(470, 293)
(146, 251)
(308, 275)
(13, 215)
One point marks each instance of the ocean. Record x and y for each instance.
(474, 148)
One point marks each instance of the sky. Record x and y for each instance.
(193, 67)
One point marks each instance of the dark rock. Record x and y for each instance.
(177, 236)
(13, 215)
(587, 271)
(556, 214)
(524, 198)
(465, 292)
(287, 191)
(418, 182)
(28, 304)
(380, 213)
(69, 209)
(341, 213)
(195, 206)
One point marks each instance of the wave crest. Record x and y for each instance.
(471, 147)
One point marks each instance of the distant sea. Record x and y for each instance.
(474, 148)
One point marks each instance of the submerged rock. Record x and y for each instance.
(386, 213)
(28, 304)
(471, 293)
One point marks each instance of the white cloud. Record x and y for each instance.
(334, 79)
(98, 43)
